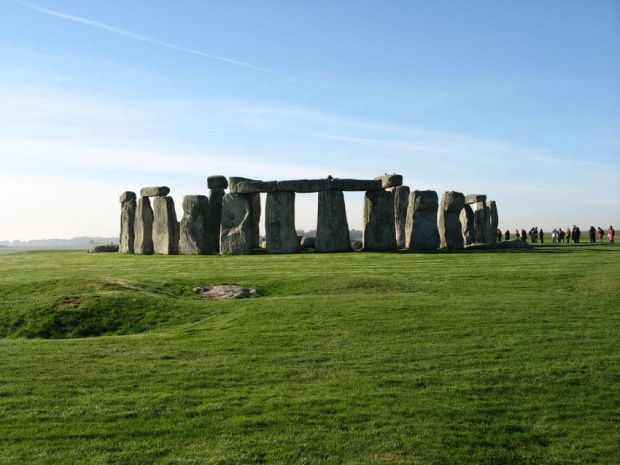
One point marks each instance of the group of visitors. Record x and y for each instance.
(559, 235)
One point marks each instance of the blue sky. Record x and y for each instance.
(516, 100)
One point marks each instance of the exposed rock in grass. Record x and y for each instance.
(225, 291)
(103, 248)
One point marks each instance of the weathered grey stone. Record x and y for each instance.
(251, 186)
(305, 185)
(308, 242)
(493, 220)
(217, 182)
(154, 191)
(379, 227)
(165, 227)
(256, 212)
(467, 225)
(355, 185)
(143, 227)
(128, 219)
(481, 222)
(332, 232)
(421, 230)
(225, 291)
(127, 196)
(236, 230)
(104, 248)
(450, 228)
(280, 232)
(475, 198)
(216, 195)
(194, 229)
(401, 201)
(390, 180)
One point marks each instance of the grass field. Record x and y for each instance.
(484, 357)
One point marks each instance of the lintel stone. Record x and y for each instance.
(390, 180)
(160, 191)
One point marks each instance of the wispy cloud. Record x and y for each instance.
(152, 40)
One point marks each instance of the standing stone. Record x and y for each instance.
(421, 231)
(216, 185)
(332, 229)
(281, 236)
(143, 227)
(401, 201)
(128, 218)
(491, 211)
(236, 235)
(256, 211)
(467, 225)
(481, 222)
(379, 230)
(165, 227)
(450, 228)
(194, 234)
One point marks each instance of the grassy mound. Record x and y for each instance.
(479, 357)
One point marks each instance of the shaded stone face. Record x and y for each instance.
(236, 228)
(379, 230)
(475, 198)
(127, 195)
(491, 212)
(421, 230)
(194, 229)
(304, 185)
(390, 180)
(252, 187)
(481, 222)
(215, 218)
(467, 224)
(154, 191)
(281, 236)
(143, 227)
(450, 228)
(332, 234)
(401, 202)
(217, 182)
(128, 219)
(256, 212)
(355, 185)
(165, 227)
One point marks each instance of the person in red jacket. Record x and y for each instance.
(611, 233)
(601, 233)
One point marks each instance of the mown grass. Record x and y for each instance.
(486, 357)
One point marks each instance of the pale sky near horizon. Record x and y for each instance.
(516, 100)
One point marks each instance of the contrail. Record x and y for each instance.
(151, 40)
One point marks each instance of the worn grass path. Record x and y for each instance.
(509, 357)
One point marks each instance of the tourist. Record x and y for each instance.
(507, 235)
(601, 233)
(592, 235)
(554, 236)
(611, 233)
(517, 233)
(576, 233)
(561, 234)
(541, 234)
(498, 234)
(523, 235)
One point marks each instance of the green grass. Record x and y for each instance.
(486, 357)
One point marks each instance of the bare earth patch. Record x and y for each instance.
(225, 291)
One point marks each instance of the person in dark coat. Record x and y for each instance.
(523, 235)
(541, 235)
(592, 235)
(507, 235)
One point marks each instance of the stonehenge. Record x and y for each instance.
(195, 226)
(128, 218)
(421, 231)
(228, 223)
(450, 228)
